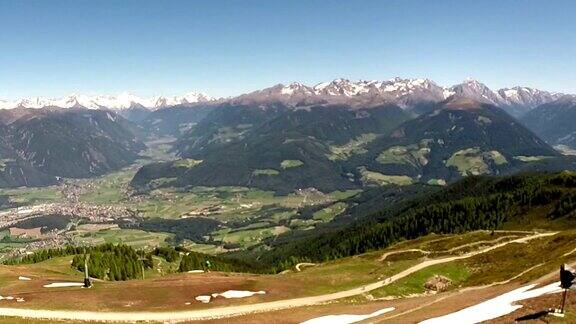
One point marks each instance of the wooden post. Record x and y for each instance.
(563, 300)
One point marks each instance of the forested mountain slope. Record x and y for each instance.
(524, 201)
(276, 148)
(39, 145)
(555, 122)
(339, 147)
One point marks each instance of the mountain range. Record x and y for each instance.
(124, 100)
(336, 147)
(332, 136)
(405, 93)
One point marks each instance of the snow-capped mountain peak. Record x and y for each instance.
(124, 100)
(478, 91)
(404, 92)
(341, 87)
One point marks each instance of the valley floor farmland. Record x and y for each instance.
(241, 217)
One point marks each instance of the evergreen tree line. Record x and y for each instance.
(114, 262)
(168, 253)
(122, 262)
(189, 260)
(46, 254)
(199, 261)
(566, 206)
(565, 179)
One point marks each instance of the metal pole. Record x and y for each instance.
(87, 283)
(85, 267)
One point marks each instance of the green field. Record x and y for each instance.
(414, 155)
(531, 158)
(223, 203)
(247, 237)
(472, 161)
(265, 172)
(414, 284)
(136, 238)
(187, 163)
(287, 164)
(30, 196)
(327, 214)
(354, 147)
(372, 177)
(108, 189)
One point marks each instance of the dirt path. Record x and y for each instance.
(304, 264)
(387, 254)
(229, 311)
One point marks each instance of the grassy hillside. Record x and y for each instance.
(458, 138)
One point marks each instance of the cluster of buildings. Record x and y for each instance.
(10, 219)
(92, 213)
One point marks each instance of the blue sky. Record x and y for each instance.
(53, 48)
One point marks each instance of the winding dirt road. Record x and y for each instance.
(230, 311)
(460, 247)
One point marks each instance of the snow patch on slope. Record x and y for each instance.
(495, 307)
(346, 318)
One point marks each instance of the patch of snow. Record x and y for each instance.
(64, 284)
(448, 93)
(203, 299)
(123, 100)
(196, 271)
(24, 278)
(238, 293)
(321, 86)
(390, 88)
(287, 91)
(346, 318)
(511, 93)
(495, 307)
(565, 150)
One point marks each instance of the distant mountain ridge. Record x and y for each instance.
(555, 121)
(121, 101)
(39, 145)
(405, 93)
(408, 93)
(334, 147)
